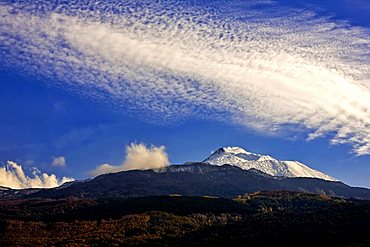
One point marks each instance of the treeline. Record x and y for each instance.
(257, 219)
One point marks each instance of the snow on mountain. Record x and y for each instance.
(4, 188)
(190, 167)
(237, 156)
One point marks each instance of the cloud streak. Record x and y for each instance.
(268, 73)
(138, 156)
(59, 161)
(12, 175)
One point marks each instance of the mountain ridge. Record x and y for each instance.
(196, 179)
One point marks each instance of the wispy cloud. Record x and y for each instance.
(266, 72)
(59, 161)
(13, 176)
(138, 156)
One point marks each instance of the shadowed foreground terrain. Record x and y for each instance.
(257, 219)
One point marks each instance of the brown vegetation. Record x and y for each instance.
(257, 219)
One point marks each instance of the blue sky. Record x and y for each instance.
(88, 111)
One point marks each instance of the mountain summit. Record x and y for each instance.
(239, 157)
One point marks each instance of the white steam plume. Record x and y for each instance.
(269, 73)
(13, 176)
(138, 156)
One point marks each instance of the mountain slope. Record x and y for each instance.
(237, 156)
(6, 192)
(197, 179)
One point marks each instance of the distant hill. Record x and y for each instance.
(196, 179)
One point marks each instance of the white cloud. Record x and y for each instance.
(13, 176)
(59, 161)
(138, 156)
(266, 72)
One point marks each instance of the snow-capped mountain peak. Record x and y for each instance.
(237, 156)
(233, 150)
